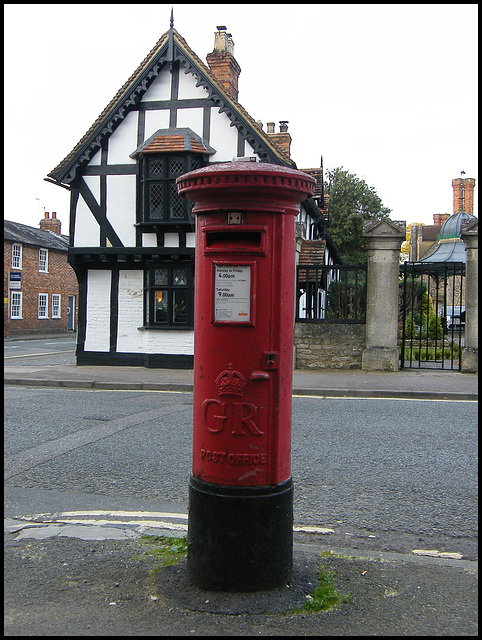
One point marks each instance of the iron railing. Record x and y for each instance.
(331, 293)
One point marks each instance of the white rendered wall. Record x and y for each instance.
(130, 315)
(224, 137)
(121, 207)
(97, 335)
(123, 141)
(93, 182)
(187, 86)
(87, 230)
(160, 89)
(190, 240)
(192, 118)
(170, 342)
(130, 318)
(171, 240)
(96, 160)
(149, 240)
(158, 119)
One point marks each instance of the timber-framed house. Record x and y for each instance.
(132, 237)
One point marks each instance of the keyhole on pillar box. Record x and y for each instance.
(270, 359)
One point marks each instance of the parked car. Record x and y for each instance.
(454, 318)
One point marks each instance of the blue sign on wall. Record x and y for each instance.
(15, 280)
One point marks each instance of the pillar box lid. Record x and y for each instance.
(246, 186)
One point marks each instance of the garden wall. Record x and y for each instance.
(328, 346)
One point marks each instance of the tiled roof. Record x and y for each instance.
(317, 174)
(22, 233)
(312, 252)
(173, 143)
(174, 140)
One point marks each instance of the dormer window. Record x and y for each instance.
(166, 155)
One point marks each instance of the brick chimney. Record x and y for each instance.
(50, 224)
(282, 139)
(440, 218)
(463, 194)
(222, 62)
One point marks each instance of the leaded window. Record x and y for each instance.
(160, 202)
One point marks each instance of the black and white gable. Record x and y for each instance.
(172, 88)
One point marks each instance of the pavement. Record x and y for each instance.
(408, 384)
(100, 575)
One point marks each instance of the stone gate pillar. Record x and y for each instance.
(470, 354)
(384, 238)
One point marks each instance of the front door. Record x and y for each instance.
(71, 314)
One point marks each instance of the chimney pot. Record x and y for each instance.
(283, 125)
(223, 42)
(270, 126)
(50, 224)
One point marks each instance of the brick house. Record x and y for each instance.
(40, 287)
(132, 239)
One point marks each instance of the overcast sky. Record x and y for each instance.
(388, 91)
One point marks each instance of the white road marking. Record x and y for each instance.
(63, 523)
(310, 529)
(433, 553)
(348, 397)
(133, 514)
(142, 519)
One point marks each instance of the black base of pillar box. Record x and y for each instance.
(239, 538)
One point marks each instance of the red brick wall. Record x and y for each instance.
(282, 141)
(60, 279)
(226, 69)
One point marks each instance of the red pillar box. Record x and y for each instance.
(241, 493)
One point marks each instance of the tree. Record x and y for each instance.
(351, 202)
(405, 247)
